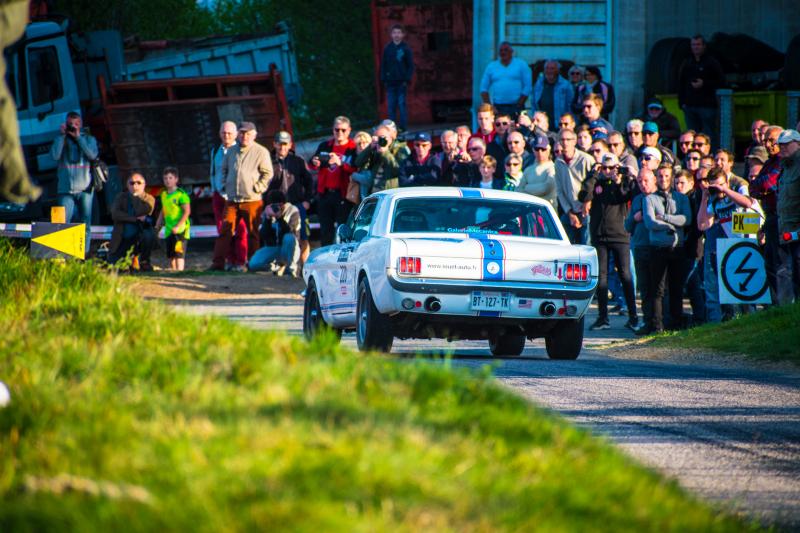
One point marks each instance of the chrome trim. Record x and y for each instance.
(465, 286)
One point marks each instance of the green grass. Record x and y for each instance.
(126, 415)
(773, 334)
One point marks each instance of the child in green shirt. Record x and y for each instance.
(174, 218)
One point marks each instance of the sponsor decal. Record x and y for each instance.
(541, 270)
(492, 267)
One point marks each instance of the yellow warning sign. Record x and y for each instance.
(746, 223)
(47, 240)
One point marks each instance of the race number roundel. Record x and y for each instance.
(493, 268)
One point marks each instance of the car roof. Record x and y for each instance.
(459, 192)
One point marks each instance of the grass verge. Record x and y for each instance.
(127, 415)
(772, 334)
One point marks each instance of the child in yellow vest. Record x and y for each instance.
(174, 218)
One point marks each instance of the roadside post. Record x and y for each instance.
(57, 239)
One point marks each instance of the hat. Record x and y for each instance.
(598, 125)
(247, 126)
(609, 160)
(283, 137)
(594, 70)
(655, 153)
(388, 123)
(541, 142)
(600, 135)
(655, 103)
(759, 153)
(422, 137)
(788, 136)
(650, 127)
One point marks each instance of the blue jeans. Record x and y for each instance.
(576, 235)
(83, 214)
(396, 103)
(694, 289)
(288, 252)
(702, 119)
(711, 287)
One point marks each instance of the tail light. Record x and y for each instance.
(409, 265)
(576, 272)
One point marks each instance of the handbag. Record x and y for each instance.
(99, 173)
(353, 194)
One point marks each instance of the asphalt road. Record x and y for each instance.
(729, 434)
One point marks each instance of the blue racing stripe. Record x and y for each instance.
(493, 268)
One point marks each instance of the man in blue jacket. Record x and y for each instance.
(397, 68)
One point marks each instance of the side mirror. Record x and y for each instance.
(360, 234)
(344, 232)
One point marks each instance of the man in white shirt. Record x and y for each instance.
(506, 82)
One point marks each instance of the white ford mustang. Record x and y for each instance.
(456, 264)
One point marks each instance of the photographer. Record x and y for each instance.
(334, 162)
(74, 150)
(132, 213)
(384, 157)
(715, 218)
(422, 168)
(280, 233)
(605, 195)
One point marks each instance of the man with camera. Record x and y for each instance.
(605, 195)
(246, 173)
(280, 234)
(715, 218)
(74, 150)
(132, 212)
(384, 157)
(334, 162)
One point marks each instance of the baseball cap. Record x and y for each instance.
(655, 153)
(650, 127)
(247, 126)
(655, 103)
(599, 135)
(422, 137)
(759, 153)
(283, 137)
(788, 136)
(541, 142)
(597, 125)
(609, 160)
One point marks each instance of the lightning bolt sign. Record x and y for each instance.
(749, 271)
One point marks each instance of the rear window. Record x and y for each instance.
(473, 215)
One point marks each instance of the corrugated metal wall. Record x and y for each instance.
(773, 21)
(559, 29)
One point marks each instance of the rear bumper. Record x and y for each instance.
(524, 290)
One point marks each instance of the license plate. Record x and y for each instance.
(490, 301)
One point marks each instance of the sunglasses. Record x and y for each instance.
(686, 143)
(541, 149)
(135, 182)
(498, 123)
(473, 148)
(634, 133)
(564, 123)
(693, 159)
(340, 130)
(614, 145)
(609, 168)
(698, 144)
(650, 132)
(574, 73)
(588, 106)
(512, 164)
(595, 150)
(647, 157)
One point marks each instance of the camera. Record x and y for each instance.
(276, 208)
(324, 158)
(383, 142)
(72, 129)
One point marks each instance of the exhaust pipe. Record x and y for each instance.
(547, 309)
(433, 304)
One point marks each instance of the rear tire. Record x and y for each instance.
(313, 323)
(565, 340)
(508, 345)
(373, 329)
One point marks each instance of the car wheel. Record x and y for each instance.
(509, 345)
(313, 323)
(565, 340)
(373, 329)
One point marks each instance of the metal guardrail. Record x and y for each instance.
(103, 233)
